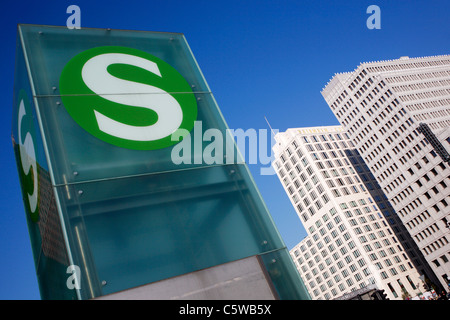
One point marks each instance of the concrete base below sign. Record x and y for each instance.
(238, 280)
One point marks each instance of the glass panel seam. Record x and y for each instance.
(145, 174)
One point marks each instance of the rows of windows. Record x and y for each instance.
(335, 167)
(374, 235)
(321, 149)
(381, 117)
(443, 260)
(368, 140)
(409, 155)
(418, 76)
(339, 99)
(444, 124)
(403, 142)
(357, 82)
(426, 232)
(350, 109)
(329, 259)
(389, 173)
(337, 275)
(303, 178)
(303, 186)
(425, 100)
(358, 79)
(432, 115)
(301, 191)
(428, 105)
(434, 189)
(362, 87)
(436, 245)
(408, 64)
(413, 205)
(330, 238)
(424, 95)
(376, 155)
(418, 220)
(324, 138)
(416, 86)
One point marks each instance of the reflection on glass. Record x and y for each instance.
(128, 216)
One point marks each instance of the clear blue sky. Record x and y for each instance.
(260, 58)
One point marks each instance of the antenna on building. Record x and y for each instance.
(269, 126)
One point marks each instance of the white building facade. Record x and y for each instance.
(397, 113)
(354, 236)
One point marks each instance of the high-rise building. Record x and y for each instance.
(397, 113)
(355, 239)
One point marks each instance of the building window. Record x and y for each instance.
(411, 283)
(392, 290)
(436, 263)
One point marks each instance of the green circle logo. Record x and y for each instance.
(127, 97)
(28, 170)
